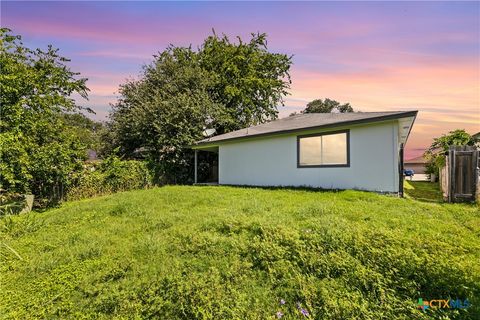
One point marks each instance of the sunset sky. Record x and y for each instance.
(376, 55)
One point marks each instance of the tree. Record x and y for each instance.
(457, 137)
(88, 131)
(221, 85)
(327, 106)
(164, 112)
(435, 153)
(248, 81)
(37, 153)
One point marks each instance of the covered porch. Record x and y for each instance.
(206, 165)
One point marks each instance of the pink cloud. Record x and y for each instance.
(435, 90)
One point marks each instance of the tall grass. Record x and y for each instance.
(233, 253)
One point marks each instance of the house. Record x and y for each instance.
(360, 150)
(416, 164)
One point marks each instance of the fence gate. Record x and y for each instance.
(462, 173)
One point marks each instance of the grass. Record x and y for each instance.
(181, 252)
(423, 191)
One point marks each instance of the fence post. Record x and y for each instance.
(476, 172)
(400, 171)
(451, 174)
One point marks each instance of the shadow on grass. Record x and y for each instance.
(423, 191)
(295, 188)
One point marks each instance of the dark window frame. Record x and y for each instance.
(347, 165)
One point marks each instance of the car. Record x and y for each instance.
(408, 172)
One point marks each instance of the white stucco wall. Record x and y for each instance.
(273, 161)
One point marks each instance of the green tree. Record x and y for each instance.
(327, 106)
(248, 81)
(37, 154)
(222, 85)
(88, 131)
(457, 137)
(435, 153)
(164, 112)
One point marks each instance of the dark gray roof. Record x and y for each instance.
(302, 122)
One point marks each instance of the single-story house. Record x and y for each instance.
(416, 164)
(359, 150)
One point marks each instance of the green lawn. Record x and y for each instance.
(181, 252)
(423, 191)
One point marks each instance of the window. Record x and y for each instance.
(324, 150)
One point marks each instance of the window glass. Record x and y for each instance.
(311, 151)
(327, 149)
(334, 149)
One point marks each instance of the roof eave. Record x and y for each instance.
(200, 145)
(411, 126)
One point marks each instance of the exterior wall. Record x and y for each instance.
(273, 161)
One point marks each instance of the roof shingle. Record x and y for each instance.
(308, 121)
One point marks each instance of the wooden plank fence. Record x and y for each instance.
(459, 178)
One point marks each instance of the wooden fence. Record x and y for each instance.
(459, 178)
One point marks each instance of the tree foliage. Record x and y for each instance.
(327, 106)
(457, 137)
(221, 85)
(435, 153)
(37, 153)
(164, 112)
(88, 131)
(248, 81)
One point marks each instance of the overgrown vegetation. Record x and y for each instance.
(233, 253)
(38, 152)
(109, 176)
(44, 137)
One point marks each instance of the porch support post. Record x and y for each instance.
(196, 162)
(400, 171)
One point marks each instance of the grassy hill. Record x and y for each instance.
(223, 252)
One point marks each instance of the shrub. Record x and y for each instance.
(109, 176)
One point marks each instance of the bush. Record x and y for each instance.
(109, 176)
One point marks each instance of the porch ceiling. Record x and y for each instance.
(206, 148)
